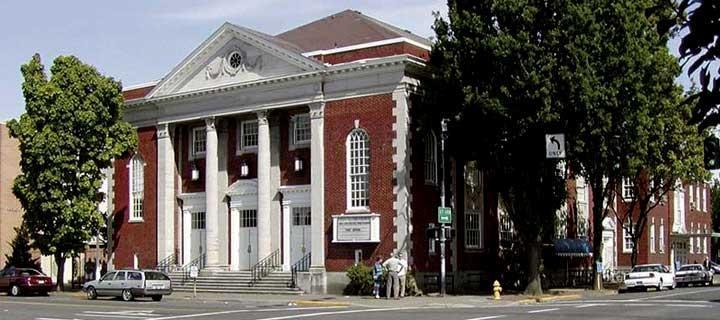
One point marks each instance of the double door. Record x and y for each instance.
(300, 233)
(198, 240)
(248, 237)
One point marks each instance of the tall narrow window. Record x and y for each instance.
(692, 196)
(248, 135)
(661, 236)
(301, 129)
(431, 158)
(474, 204)
(137, 186)
(652, 236)
(627, 238)
(198, 220)
(628, 189)
(358, 169)
(198, 142)
(692, 239)
(248, 218)
(703, 199)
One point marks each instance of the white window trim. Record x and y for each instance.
(692, 197)
(432, 161)
(193, 154)
(652, 236)
(703, 202)
(293, 143)
(348, 182)
(241, 148)
(131, 206)
(628, 184)
(661, 236)
(625, 235)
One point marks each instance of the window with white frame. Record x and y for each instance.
(301, 216)
(137, 187)
(704, 240)
(692, 196)
(198, 143)
(703, 199)
(697, 197)
(248, 135)
(627, 238)
(661, 236)
(472, 229)
(431, 168)
(197, 220)
(506, 228)
(248, 218)
(692, 239)
(301, 129)
(652, 236)
(628, 189)
(358, 169)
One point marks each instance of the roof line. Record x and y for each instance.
(367, 45)
(141, 85)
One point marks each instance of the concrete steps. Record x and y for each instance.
(277, 282)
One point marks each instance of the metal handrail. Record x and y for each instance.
(165, 264)
(301, 265)
(199, 261)
(265, 266)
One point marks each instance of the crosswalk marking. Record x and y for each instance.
(488, 317)
(543, 310)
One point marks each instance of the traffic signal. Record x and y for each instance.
(712, 153)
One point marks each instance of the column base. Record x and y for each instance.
(318, 280)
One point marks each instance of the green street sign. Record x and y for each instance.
(444, 215)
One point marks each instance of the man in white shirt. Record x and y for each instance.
(393, 267)
(402, 274)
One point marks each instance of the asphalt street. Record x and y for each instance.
(682, 303)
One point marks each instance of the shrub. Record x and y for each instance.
(361, 280)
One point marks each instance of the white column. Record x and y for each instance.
(165, 193)
(263, 178)
(186, 231)
(317, 187)
(211, 195)
(287, 213)
(235, 239)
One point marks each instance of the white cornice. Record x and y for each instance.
(141, 85)
(367, 45)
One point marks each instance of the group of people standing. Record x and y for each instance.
(396, 275)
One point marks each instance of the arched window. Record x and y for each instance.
(358, 169)
(430, 158)
(137, 186)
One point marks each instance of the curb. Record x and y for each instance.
(312, 303)
(543, 299)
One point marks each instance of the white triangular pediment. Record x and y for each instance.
(233, 55)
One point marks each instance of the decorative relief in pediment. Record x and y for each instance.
(232, 64)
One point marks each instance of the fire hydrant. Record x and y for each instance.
(496, 290)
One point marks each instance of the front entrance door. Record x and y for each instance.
(248, 239)
(608, 253)
(299, 233)
(197, 236)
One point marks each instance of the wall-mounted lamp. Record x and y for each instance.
(195, 173)
(298, 164)
(244, 169)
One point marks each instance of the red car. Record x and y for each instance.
(16, 281)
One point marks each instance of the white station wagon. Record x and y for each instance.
(129, 284)
(650, 276)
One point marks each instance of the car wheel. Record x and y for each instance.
(660, 285)
(127, 295)
(14, 291)
(157, 298)
(673, 286)
(91, 293)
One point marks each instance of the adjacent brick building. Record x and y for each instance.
(10, 209)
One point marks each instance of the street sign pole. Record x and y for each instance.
(443, 127)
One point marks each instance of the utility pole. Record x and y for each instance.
(443, 137)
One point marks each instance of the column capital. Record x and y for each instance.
(163, 130)
(210, 124)
(317, 110)
(262, 117)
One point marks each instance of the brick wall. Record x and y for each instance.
(288, 176)
(10, 208)
(375, 52)
(137, 237)
(375, 116)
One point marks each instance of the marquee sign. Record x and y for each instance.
(356, 228)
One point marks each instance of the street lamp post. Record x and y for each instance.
(443, 137)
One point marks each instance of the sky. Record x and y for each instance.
(139, 41)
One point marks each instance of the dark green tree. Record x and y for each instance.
(495, 67)
(21, 256)
(71, 129)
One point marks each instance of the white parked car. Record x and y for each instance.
(693, 274)
(650, 276)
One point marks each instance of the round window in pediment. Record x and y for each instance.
(235, 60)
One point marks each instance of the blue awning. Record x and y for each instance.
(573, 248)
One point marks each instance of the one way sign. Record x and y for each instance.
(555, 146)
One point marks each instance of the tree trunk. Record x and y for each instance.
(60, 262)
(534, 286)
(598, 213)
(634, 255)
